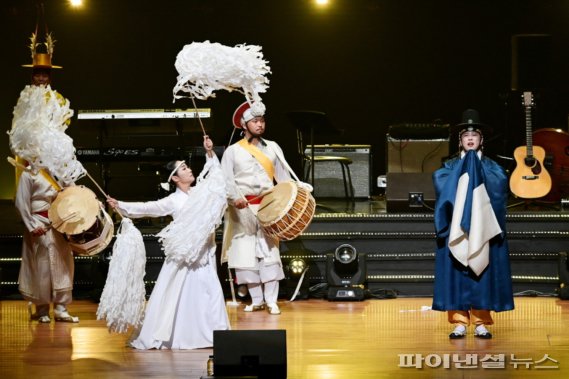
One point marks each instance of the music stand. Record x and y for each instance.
(311, 122)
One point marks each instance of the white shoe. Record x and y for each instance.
(274, 309)
(64, 316)
(35, 316)
(254, 307)
(44, 320)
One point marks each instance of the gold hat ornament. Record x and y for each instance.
(41, 59)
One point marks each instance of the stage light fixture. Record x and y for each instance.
(297, 266)
(345, 253)
(296, 284)
(346, 273)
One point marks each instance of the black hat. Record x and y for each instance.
(471, 123)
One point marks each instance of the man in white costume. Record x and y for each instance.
(46, 272)
(251, 167)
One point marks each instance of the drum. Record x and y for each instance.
(77, 213)
(286, 211)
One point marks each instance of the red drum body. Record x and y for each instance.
(78, 214)
(555, 142)
(287, 211)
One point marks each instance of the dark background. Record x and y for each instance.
(367, 63)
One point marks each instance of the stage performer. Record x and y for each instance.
(472, 273)
(251, 167)
(46, 272)
(187, 303)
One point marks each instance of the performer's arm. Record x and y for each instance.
(158, 208)
(23, 204)
(228, 166)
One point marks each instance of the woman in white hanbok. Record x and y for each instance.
(187, 302)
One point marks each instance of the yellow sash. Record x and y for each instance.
(49, 178)
(260, 156)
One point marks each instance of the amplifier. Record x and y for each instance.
(400, 186)
(416, 155)
(328, 181)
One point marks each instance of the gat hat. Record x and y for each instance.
(245, 113)
(41, 59)
(471, 123)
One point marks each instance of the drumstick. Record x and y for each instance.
(62, 220)
(103, 192)
(261, 195)
(13, 162)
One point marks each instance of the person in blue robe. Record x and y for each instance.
(472, 266)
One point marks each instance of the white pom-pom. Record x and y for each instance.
(123, 298)
(205, 67)
(38, 133)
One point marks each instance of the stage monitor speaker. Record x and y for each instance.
(408, 155)
(400, 186)
(328, 180)
(250, 353)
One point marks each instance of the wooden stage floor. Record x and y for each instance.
(325, 340)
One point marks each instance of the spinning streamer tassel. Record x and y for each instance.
(205, 67)
(41, 117)
(123, 298)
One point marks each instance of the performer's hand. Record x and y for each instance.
(240, 203)
(113, 203)
(208, 145)
(39, 231)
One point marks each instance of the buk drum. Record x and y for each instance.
(286, 211)
(77, 213)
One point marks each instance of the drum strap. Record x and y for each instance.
(260, 156)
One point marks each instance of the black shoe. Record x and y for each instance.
(484, 335)
(456, 335)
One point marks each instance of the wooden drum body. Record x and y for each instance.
(78, 214)
(555, 142)
(287, 211)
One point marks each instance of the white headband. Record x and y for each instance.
(166, 185)
(250, 114)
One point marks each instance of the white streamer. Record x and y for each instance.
(206, 67)
(123, 298)
(38, 133)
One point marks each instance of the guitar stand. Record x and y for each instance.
(549, 205)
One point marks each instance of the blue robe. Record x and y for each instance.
(457, 287)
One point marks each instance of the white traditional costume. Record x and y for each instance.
(37, 136)
(187, 302)
(250, 170)
(46, 273)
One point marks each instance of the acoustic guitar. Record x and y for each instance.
(530, 180)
